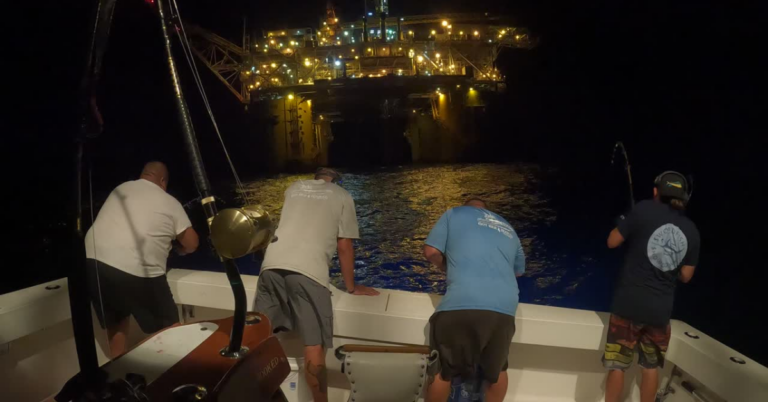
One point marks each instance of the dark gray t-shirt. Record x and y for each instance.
(659, 241)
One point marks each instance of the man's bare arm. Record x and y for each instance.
(188, 241)
(435, 256)
(686, 273)
(615, 239)
(346, 250)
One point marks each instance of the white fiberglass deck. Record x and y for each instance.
(555, 354)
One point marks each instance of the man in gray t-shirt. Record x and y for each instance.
(318, 218)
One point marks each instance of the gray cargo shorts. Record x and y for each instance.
(291, 300)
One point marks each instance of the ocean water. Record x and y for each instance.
(397, 206)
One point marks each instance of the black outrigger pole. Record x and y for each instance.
(90, 126)
(204, 187)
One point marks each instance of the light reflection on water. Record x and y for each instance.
(396, 208)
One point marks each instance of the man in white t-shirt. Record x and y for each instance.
(127, 249)
(318, 218)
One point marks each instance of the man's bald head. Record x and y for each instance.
(157, 173)
(476, 202)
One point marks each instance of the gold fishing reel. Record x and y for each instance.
(236, 232)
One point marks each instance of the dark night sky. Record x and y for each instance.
(682, 83)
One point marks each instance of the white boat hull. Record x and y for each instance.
(554, 356)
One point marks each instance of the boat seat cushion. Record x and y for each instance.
(385, 377)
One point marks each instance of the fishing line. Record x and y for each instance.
(189, 203)
(182, 33)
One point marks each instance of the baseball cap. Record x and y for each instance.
(672, 184)
(324, 171)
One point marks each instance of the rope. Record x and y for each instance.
(182, 33)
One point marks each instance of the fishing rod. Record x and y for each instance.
(620, 146)
(208, 201)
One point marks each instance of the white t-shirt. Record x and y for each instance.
(315, 215)
(135, 227)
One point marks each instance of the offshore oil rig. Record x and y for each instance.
(421, 79)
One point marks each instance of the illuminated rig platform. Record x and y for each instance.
(428, 45)
(413, 68)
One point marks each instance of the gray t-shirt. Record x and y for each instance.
(315, 215)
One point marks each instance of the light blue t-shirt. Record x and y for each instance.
(483, 255)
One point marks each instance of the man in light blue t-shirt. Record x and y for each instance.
(474, 323)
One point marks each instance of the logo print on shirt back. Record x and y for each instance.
(667, 247)
(309, 191)
(490, 221)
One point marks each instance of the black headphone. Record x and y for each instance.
(686, 189)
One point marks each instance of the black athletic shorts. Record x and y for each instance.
(116, 295)
(471, 340)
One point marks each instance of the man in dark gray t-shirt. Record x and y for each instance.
(662, 247)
